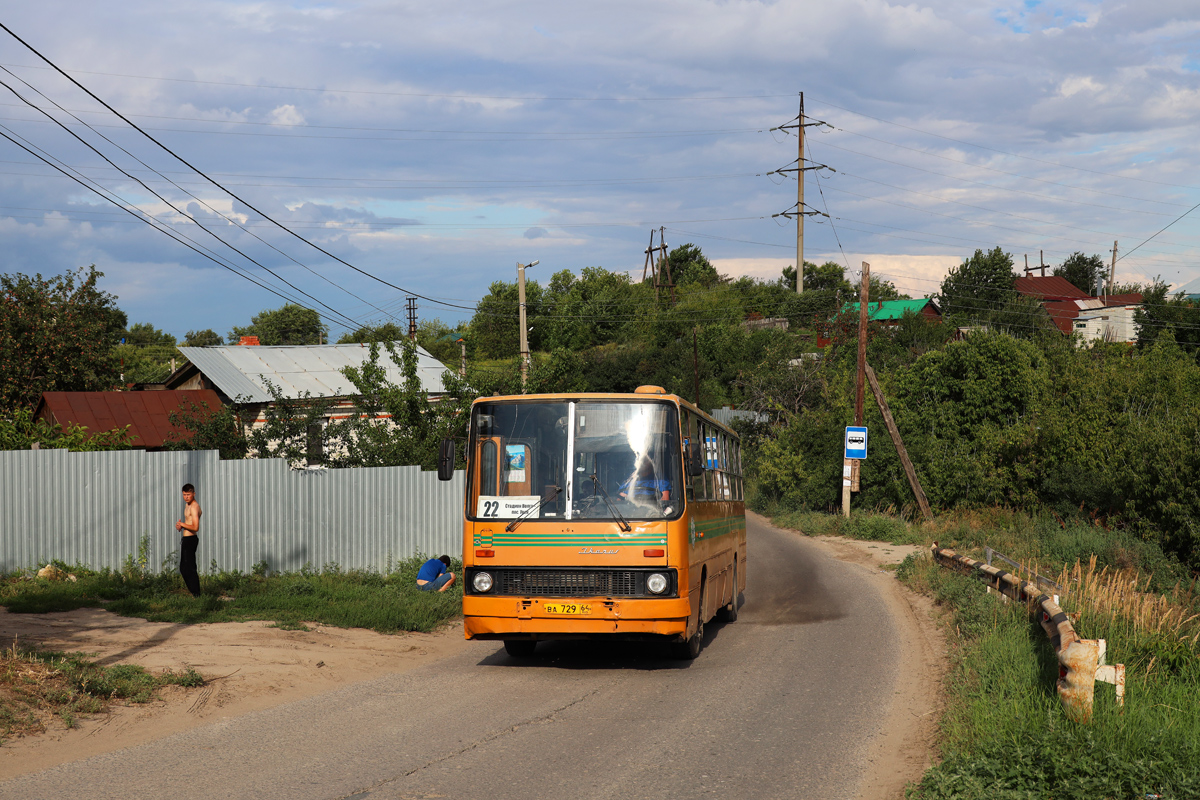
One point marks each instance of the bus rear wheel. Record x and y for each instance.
(729, 613)
(520, 648)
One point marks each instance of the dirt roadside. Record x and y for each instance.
(906, 748)
(248, 666)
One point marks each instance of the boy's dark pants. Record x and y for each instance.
(187, 563)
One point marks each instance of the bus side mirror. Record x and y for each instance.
(694, 464)
(446, 460)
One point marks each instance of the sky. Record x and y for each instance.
(348, 155)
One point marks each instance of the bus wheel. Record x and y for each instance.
(688, 650)
(729, 613)
(520, 648)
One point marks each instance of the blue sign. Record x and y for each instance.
(856, 442)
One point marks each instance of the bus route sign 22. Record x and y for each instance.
(856, 442)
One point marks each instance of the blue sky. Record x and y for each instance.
(435, 145)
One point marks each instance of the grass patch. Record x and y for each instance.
(37, 685)
(1004, 733)
(385, 602)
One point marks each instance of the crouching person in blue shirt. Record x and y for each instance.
(433, 575)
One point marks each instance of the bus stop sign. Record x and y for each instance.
(856, 442)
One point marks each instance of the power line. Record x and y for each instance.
(450, 96)
(212, 181)
(172, 205)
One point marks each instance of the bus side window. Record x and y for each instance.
(689, 436)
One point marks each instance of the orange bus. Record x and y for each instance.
(616, 516)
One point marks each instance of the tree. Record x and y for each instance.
(494, 326)
(387, 332)
(20, 431)
(689, 265)
(1082, 272)
(145, 353)
(1161, 313)
(205, 338)
(396, 424)
(287, 325)
(56, 334)
(982, 284)
(199, 427)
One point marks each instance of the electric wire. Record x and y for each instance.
(176, 209)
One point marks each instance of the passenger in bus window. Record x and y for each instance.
(645, 484)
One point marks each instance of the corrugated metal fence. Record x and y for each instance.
(93, 509)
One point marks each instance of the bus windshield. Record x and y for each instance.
(576, 460)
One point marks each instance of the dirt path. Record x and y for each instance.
(247, 666)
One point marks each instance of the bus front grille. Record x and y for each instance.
(550, 582)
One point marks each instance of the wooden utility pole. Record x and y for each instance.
(658, 265)
(1112, 273)
(524, 330)
(696, 365)
(800, 201)
(894, 432)
(850, 466)
(864, 301)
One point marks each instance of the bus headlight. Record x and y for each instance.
(657, 583)
(482, 581)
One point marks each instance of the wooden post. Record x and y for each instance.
(894, 432)
(864, 299)
(847, 477)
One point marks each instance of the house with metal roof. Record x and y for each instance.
(147, 414)
(892, 311)
(240, 374)
(1107, 317)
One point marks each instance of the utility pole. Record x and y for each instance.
(800, 200)
(462, 360)
(800, 169)
(1112, 274)
(850, 466)
(411, 304)
(658, 264)
(1042, 261)
(524, 330)
(696, 365)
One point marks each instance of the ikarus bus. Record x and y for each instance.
(616, 516)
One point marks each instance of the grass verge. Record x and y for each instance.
(1004, 734)
(36, 686)
(385, 602)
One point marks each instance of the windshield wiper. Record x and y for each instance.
(546, 498)
(625, 526)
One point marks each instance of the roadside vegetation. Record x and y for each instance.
(1003, 731)
(387, 601)
(37, 686)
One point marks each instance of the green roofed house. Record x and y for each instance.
(889, 312)
(894, 310)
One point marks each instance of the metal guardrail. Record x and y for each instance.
(1080, 661)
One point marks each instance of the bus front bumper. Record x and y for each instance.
(528, 618)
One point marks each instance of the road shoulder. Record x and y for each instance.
(905, 744)
(247, 666)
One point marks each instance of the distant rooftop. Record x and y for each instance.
(242, 371)
(892, 309)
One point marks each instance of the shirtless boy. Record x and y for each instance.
(189, 527)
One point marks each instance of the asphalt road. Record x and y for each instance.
(779, 704)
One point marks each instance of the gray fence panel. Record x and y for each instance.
(94, 509)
